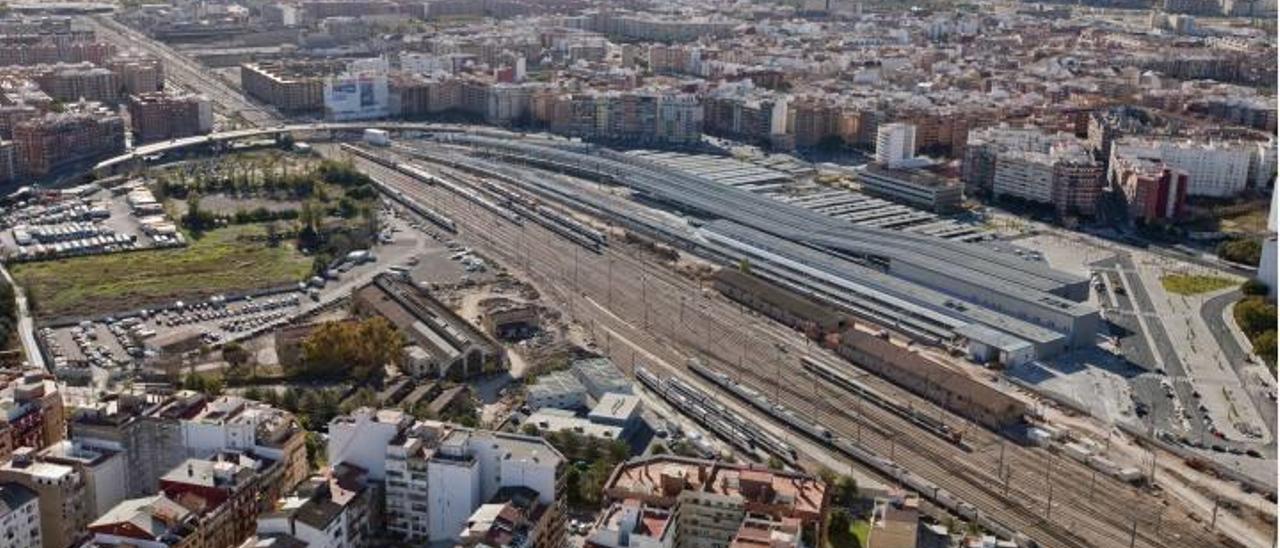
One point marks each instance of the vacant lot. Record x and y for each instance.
(1187, 284)
(223, 260)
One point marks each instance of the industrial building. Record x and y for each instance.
(926, 285)
(914, 187)
(447, 345)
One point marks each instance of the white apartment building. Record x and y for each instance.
(895, 143)
(436, 473)
(1217, 169)
(19, 517)
(1024, 174)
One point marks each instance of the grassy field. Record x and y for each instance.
(1187, 284)
(220, 261)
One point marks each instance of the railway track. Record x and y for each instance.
(185, 71)
(1108, 520)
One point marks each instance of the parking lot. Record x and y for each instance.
(86, 220)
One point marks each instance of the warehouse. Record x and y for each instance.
(448, 346)
(953, 390)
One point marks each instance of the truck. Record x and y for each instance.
(377, 137)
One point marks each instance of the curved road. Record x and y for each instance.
(1214, 314)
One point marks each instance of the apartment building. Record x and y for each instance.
(334, 510)
(895, 143)
(159, 116)
(157, 432)
(226, 492)
(437, 474)
(137, 73)
(33, 412)
(72, 82)
(679, 502)
(19, 517)
(513, 517)
(1035, 166)
(103, 471)
(639, 117)
(44, 51)
(1215, 169)
(86, 132)
(1153, 190)
(749, 116)
(64, 509)
(289, 86)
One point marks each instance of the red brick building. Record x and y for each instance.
(157, 116)
(86, 132)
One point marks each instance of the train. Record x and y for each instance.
(930, 424)
(710, 413)
(432, 216)
(820, 434)
(427, 177)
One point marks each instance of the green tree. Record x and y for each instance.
(529, 429)
(1255, 315)
(355, 349)
(1264, 345)
(839, 532)
(1246, 251)
(1254, 288)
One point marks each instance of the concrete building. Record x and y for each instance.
(895, 143)
(457, 469)
(746, 113)
(360, 93)
(226, 492)
(85, 133)
(158, 116)
(914, 187)
(49, 51)
(60, 492)
(326, 511)
(19, 517)
(558, 390)
(678, 502)
(1215, 169)
(614, 417)
(103, 471)
(600, 376)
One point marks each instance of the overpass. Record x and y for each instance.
(109, 165)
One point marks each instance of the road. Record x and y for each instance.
(187, 73)
(1214, 314)
(26, 326)
(642, 313)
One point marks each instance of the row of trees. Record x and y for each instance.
(1257, 318)
(1244, 251)
(8, 314)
